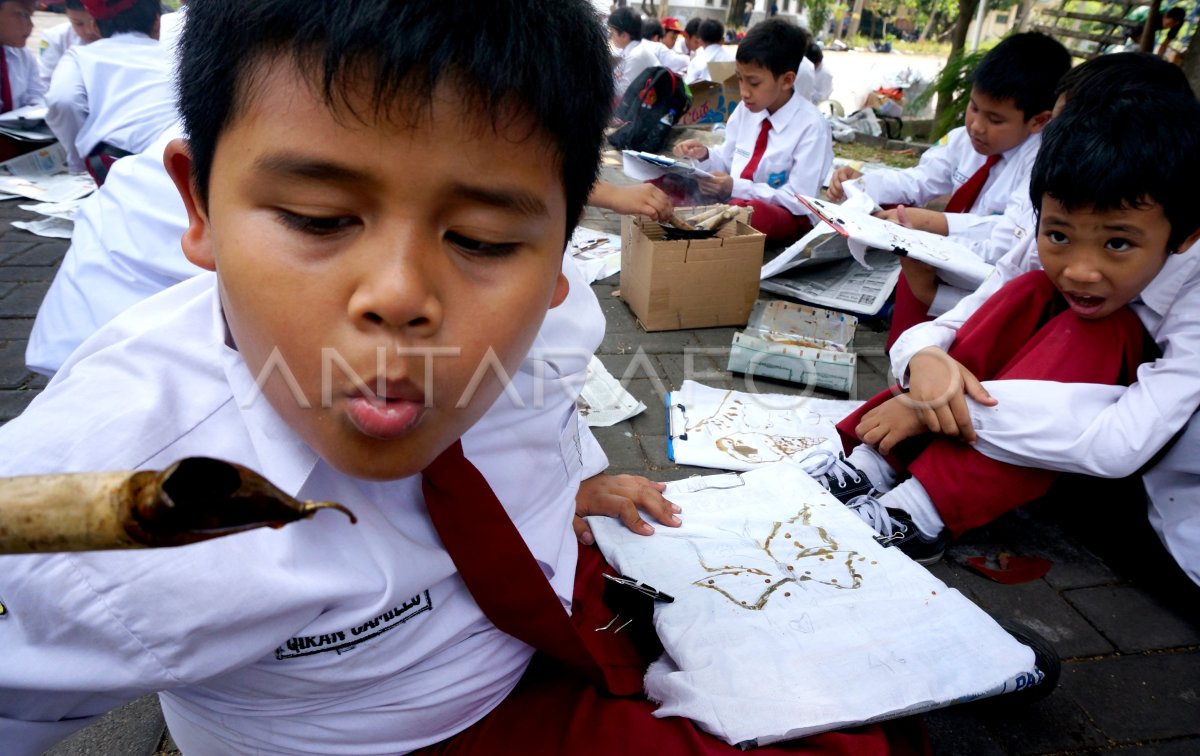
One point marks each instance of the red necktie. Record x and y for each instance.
(503, 576)
(964, 197)
(5, 88)
(760, 147)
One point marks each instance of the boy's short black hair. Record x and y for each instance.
(74, 5)
(1024, 68)
(692, 27)
(1177, 13)
(626, 20)
(1138, 147)
(774, 44)
(711, 31)
(138, 18)
(814, 53)
(651, 28)
(1108, 76)
(548, 59)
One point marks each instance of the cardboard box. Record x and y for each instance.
(689, 283)
(713, 101)
(797, 343)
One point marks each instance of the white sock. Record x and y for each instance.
(874, 466)
(913, 499)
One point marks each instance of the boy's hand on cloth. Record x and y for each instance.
(890, 423)
(922, 279)
(693, 149)
(621, 496)
(938, 386)
(720, 186)
(918, 218)
(843, 174)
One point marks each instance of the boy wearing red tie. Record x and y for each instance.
(19, 83)
(777, 145)
(981, 165)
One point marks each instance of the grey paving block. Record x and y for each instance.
(618, 316)
(1135, 698)
(24, 300)
(678, 472)
(654, 420)
(655, 449)
(1055, 724)
(1183, 747)
(956, 731)
(6, 287)
(621, 447)
(650, 343)
(132, 730)
(1038, 606)
(46, 254)
(13, 403)
(13, 372)
(873, 375)
(9, 247)
(26, 272)
(1072, 565)
(715, 337)
(1133, 620)
(14, 328)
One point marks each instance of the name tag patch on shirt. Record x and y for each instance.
(959, 178)
(776, 180)
(344, 640)
(743, 152)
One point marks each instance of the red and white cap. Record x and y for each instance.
(103, 10)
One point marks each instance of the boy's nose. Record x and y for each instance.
(399, 291)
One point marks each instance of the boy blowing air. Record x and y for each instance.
(1112, 208)
(983, 163)
(365, 269)
(777, 145)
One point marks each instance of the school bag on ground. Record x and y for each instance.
(654, 102)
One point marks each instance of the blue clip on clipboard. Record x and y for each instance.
(672, 411)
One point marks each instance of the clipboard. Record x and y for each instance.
(646, 166)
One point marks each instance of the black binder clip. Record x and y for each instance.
(630, 598)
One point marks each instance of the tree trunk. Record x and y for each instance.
(928, 26)
(855, 17)
(958, 40)
(1191, 62)
(1026, 16)
(1153, 22)
(664, 8)
(737, 9)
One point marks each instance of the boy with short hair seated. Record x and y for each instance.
(78, 29)
(633, 56)
(115, 96)
(373, 289)
(983, 163)
(777, 144)
(19, 82)
(1113, 208)
(707, 44)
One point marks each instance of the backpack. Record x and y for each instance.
(654, 102)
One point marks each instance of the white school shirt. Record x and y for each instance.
(698, 66)
(125, 247)
(170, 26)
(822, 85)
(55, 42)
(632, 60)
(1106, 431)
(116, 90)
(799, 154)
(667, 57)
(806, 80)
(23, 81)
(252, 637)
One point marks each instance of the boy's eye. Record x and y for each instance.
(480, 248)
(1057, 237)
(1118, 245)
(317, 225)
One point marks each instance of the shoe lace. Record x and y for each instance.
(823, 464)
(873, 512)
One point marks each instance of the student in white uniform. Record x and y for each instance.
(673, 37)
(79, 29)
(633, 56)
(652, 39)
(982, 164)
(710, 38)
(777, 145)
(19, 75)
(822, 78)
(1110, 431)
(326, 637)
(114, 94)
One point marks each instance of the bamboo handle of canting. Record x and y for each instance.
(717, 221)
(680, 223)
(712, 212)
(193, 500)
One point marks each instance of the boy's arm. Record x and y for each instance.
(931, 177)
(721, 157)
(67, 107)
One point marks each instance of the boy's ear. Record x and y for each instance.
(562, 287)
(788, 80)
(196, 240)
(1039, 121)
(1189, 242)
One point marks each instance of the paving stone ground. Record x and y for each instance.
(1125, 625)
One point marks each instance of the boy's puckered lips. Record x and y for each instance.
(393, 409)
